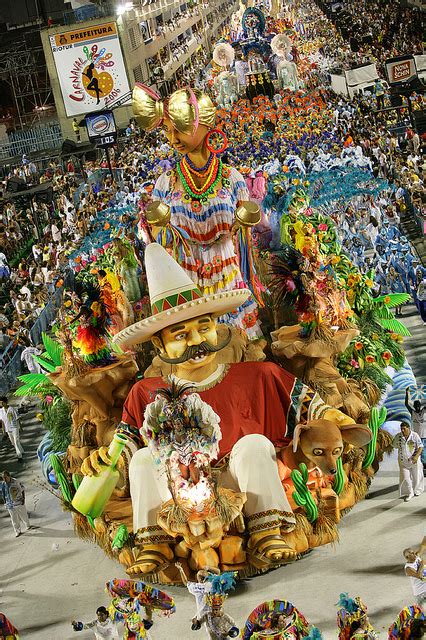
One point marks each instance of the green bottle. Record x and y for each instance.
(94, 492)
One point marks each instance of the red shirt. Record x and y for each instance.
(253, 397)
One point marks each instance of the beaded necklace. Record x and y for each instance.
(214, 175)
(199, 169)
(200, 173)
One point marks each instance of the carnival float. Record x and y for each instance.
(217, 398)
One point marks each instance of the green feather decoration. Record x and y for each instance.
(53, 349)
(116, 347)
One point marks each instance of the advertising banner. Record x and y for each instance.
(90, 68)
(401, 69)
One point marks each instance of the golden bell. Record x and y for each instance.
(158, 214)
(248, 213)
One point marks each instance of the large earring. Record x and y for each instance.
(216, 141)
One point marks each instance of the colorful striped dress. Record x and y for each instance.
(213, 263)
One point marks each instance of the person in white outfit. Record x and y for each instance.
(198, 589)
(415, 570)
(409, 445)
(103, 627)
(10, 420)
(27, 357)
(13, 494)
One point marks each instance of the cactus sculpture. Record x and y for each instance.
(302, 495)
(339, 481)
(377, 418)
(121, 537)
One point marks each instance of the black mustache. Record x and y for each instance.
(191, 351)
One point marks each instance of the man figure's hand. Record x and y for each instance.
(92, 465)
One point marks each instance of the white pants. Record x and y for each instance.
(411, 479)
(252, 470)
(14, 438)
(19, 515)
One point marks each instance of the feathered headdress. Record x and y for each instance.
(223, 582)
(281, 45)
(223, 54)
(287, 268)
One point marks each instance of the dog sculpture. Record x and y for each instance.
(319, 444)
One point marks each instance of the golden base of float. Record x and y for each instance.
(207, 540)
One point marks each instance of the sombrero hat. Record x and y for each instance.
(175, 298)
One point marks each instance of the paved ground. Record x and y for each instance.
(48, 577)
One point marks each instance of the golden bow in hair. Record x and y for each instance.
(186, 108)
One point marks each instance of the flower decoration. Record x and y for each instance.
(358, 346)
(207, 269)
(354, 363)
(386, 355)
(370, 359)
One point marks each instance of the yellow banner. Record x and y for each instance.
(86, 34)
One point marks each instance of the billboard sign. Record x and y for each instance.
(90, 68)
(401, 69)
(101, 128)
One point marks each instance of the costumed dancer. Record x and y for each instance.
(218, 624)
(201, 209)
(7, 630)
(352, 620)
(133, 604)
(409, 625)
(277, 620)
(414, 568)
(286, 70)
(259, 405)
(226, 83)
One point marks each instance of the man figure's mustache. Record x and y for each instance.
(195, 349)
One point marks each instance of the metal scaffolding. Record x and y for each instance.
(23, 67)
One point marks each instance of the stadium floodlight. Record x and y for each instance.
(122, 8)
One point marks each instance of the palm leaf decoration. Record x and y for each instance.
(53, 349)
(383, 312)
(33, 383)
(394, 325)
(46, 364)
(393, 299)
